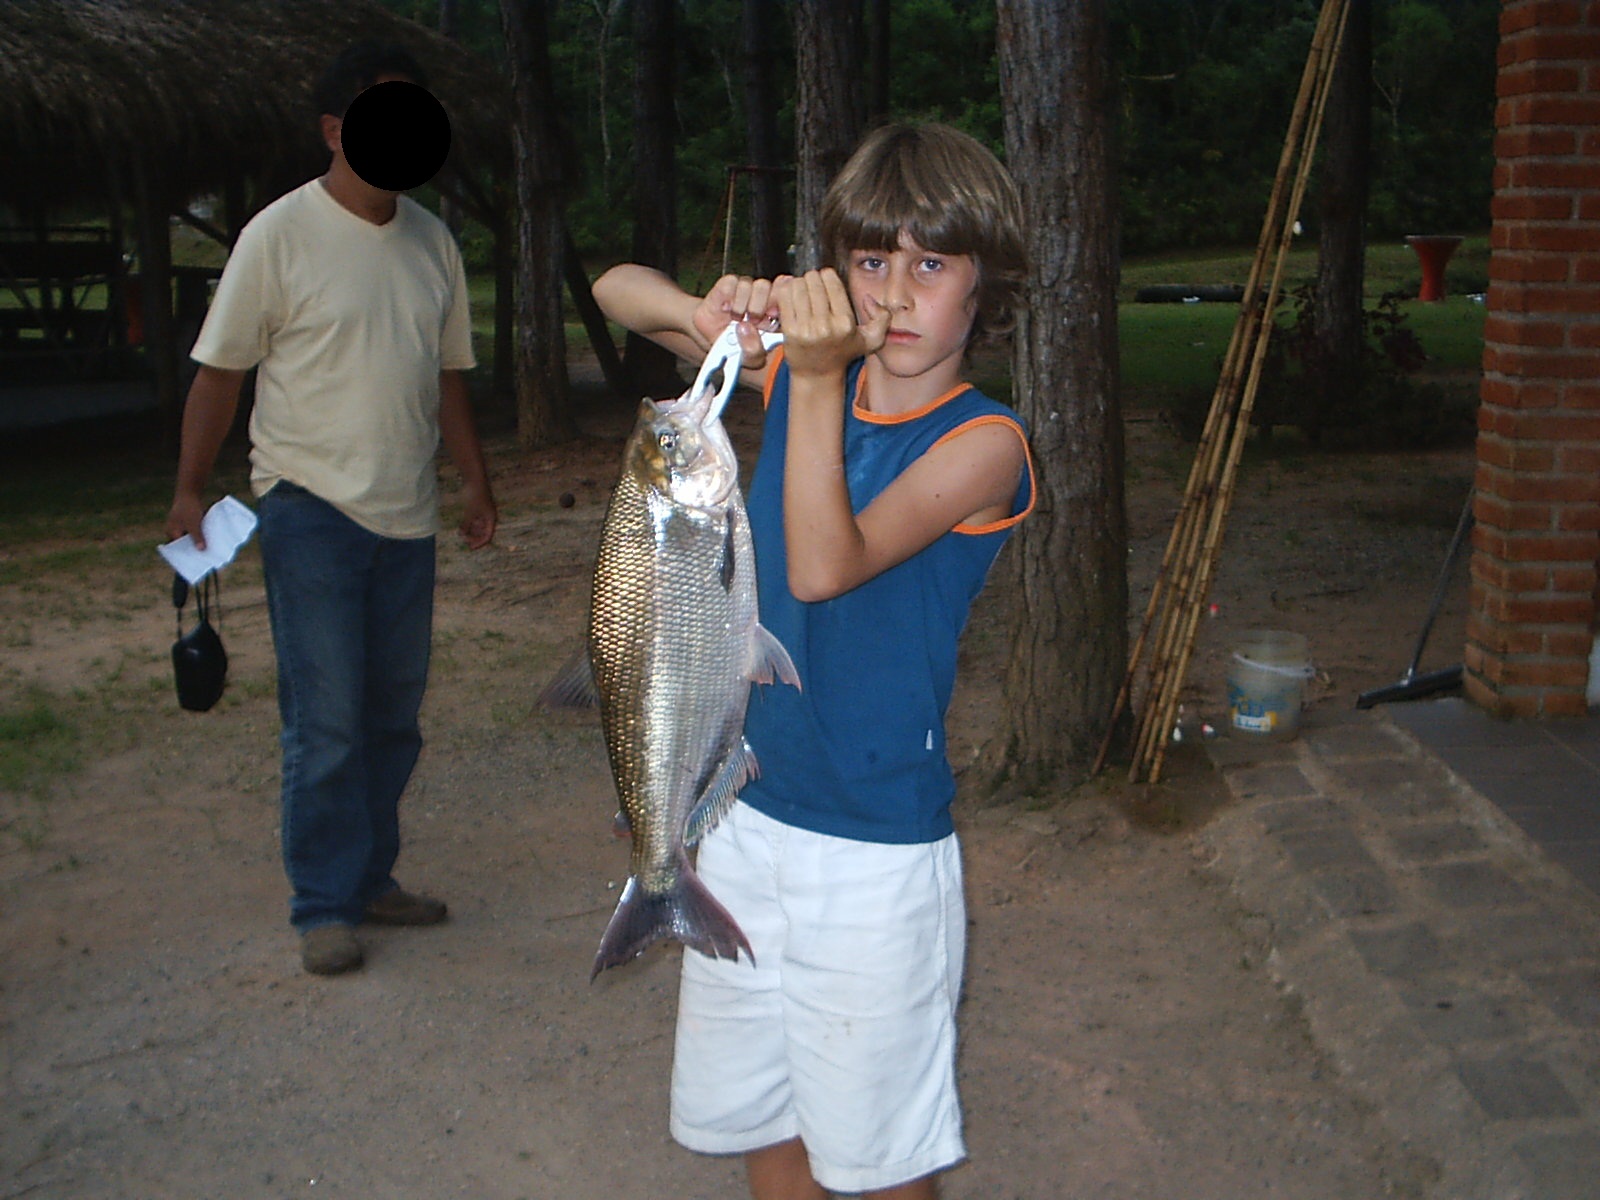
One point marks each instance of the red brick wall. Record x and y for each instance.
(1537, 538)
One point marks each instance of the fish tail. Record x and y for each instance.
(689, 913)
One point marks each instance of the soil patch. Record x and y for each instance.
(1121, 1037)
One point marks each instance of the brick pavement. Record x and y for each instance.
(1431, 881)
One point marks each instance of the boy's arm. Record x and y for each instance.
(460, 436)
(649, 303)
(207, 417)
(645, 301)
(970, 478)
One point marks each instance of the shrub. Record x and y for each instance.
(1377, 402)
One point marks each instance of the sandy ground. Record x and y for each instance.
(1121, 1038)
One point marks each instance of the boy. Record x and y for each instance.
(351, 300)
(884, 489)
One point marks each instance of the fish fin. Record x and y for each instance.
(725, 573)
(621, 827)
(689, 913)
(738, 769)
(573, 685)
(769, 661)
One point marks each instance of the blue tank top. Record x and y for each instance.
(859, 750)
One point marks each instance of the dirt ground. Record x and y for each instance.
(1121, 1038)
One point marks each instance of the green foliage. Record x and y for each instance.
(1433, 116)
(1206, 89)
(945, 67)
(1207, 92)
(1377, 402)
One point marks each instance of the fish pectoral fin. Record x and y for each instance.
(769, 661)
(573, 685)
(729, 554)
(738, 769)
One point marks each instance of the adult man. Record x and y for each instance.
(350, 301)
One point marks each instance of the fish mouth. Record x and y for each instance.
(687, 459)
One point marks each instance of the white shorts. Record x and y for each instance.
(843, 1033)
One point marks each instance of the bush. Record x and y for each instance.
(1376, 403)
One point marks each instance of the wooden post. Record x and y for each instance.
(155, 281)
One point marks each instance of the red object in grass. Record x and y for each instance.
(1433, 251)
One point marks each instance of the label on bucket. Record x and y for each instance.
(1255, 724)
(1259, 712)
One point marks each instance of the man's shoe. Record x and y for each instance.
(330, 950)
(400, 907)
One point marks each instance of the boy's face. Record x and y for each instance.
(931, 299)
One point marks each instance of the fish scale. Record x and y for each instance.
(674, 643)
(655, 568)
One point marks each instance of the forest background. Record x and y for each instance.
(1204, 92)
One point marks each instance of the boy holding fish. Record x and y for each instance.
(884, 489)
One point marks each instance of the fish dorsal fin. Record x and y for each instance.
(738, 769)
(573, 685)
(769, 661)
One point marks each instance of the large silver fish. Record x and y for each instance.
(674, 643)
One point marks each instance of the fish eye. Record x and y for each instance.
(668, 440)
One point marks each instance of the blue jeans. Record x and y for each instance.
(352, 620)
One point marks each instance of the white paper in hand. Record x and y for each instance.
(227, 526)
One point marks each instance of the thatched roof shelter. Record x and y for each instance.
(204, 95)
(141, 106)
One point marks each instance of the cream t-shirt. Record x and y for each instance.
(350, 324)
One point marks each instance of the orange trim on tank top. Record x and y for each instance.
(1027, 455)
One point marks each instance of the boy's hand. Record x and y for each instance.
(820, 332)
(752, 304)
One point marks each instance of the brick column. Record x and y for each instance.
(1531, 627)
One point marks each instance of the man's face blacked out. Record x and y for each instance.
(395, 135)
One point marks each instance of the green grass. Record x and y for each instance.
(1390, 266)
(1170, 349)
(1174, 349)
(36, 743)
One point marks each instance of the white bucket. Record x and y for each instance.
(1266, 684)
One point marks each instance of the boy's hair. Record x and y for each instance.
(357, 68)
(949, 193)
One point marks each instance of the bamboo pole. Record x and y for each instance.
(1320, 68)
(1188, 564)
(1200, 488)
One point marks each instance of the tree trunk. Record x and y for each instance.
(543, 400)
(769, 240)
(1069, 568)
(1336, 364)
(449, 27)
(828, 122)
(594, 324)
(506, 258)
(655, 183)
(878, 75)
